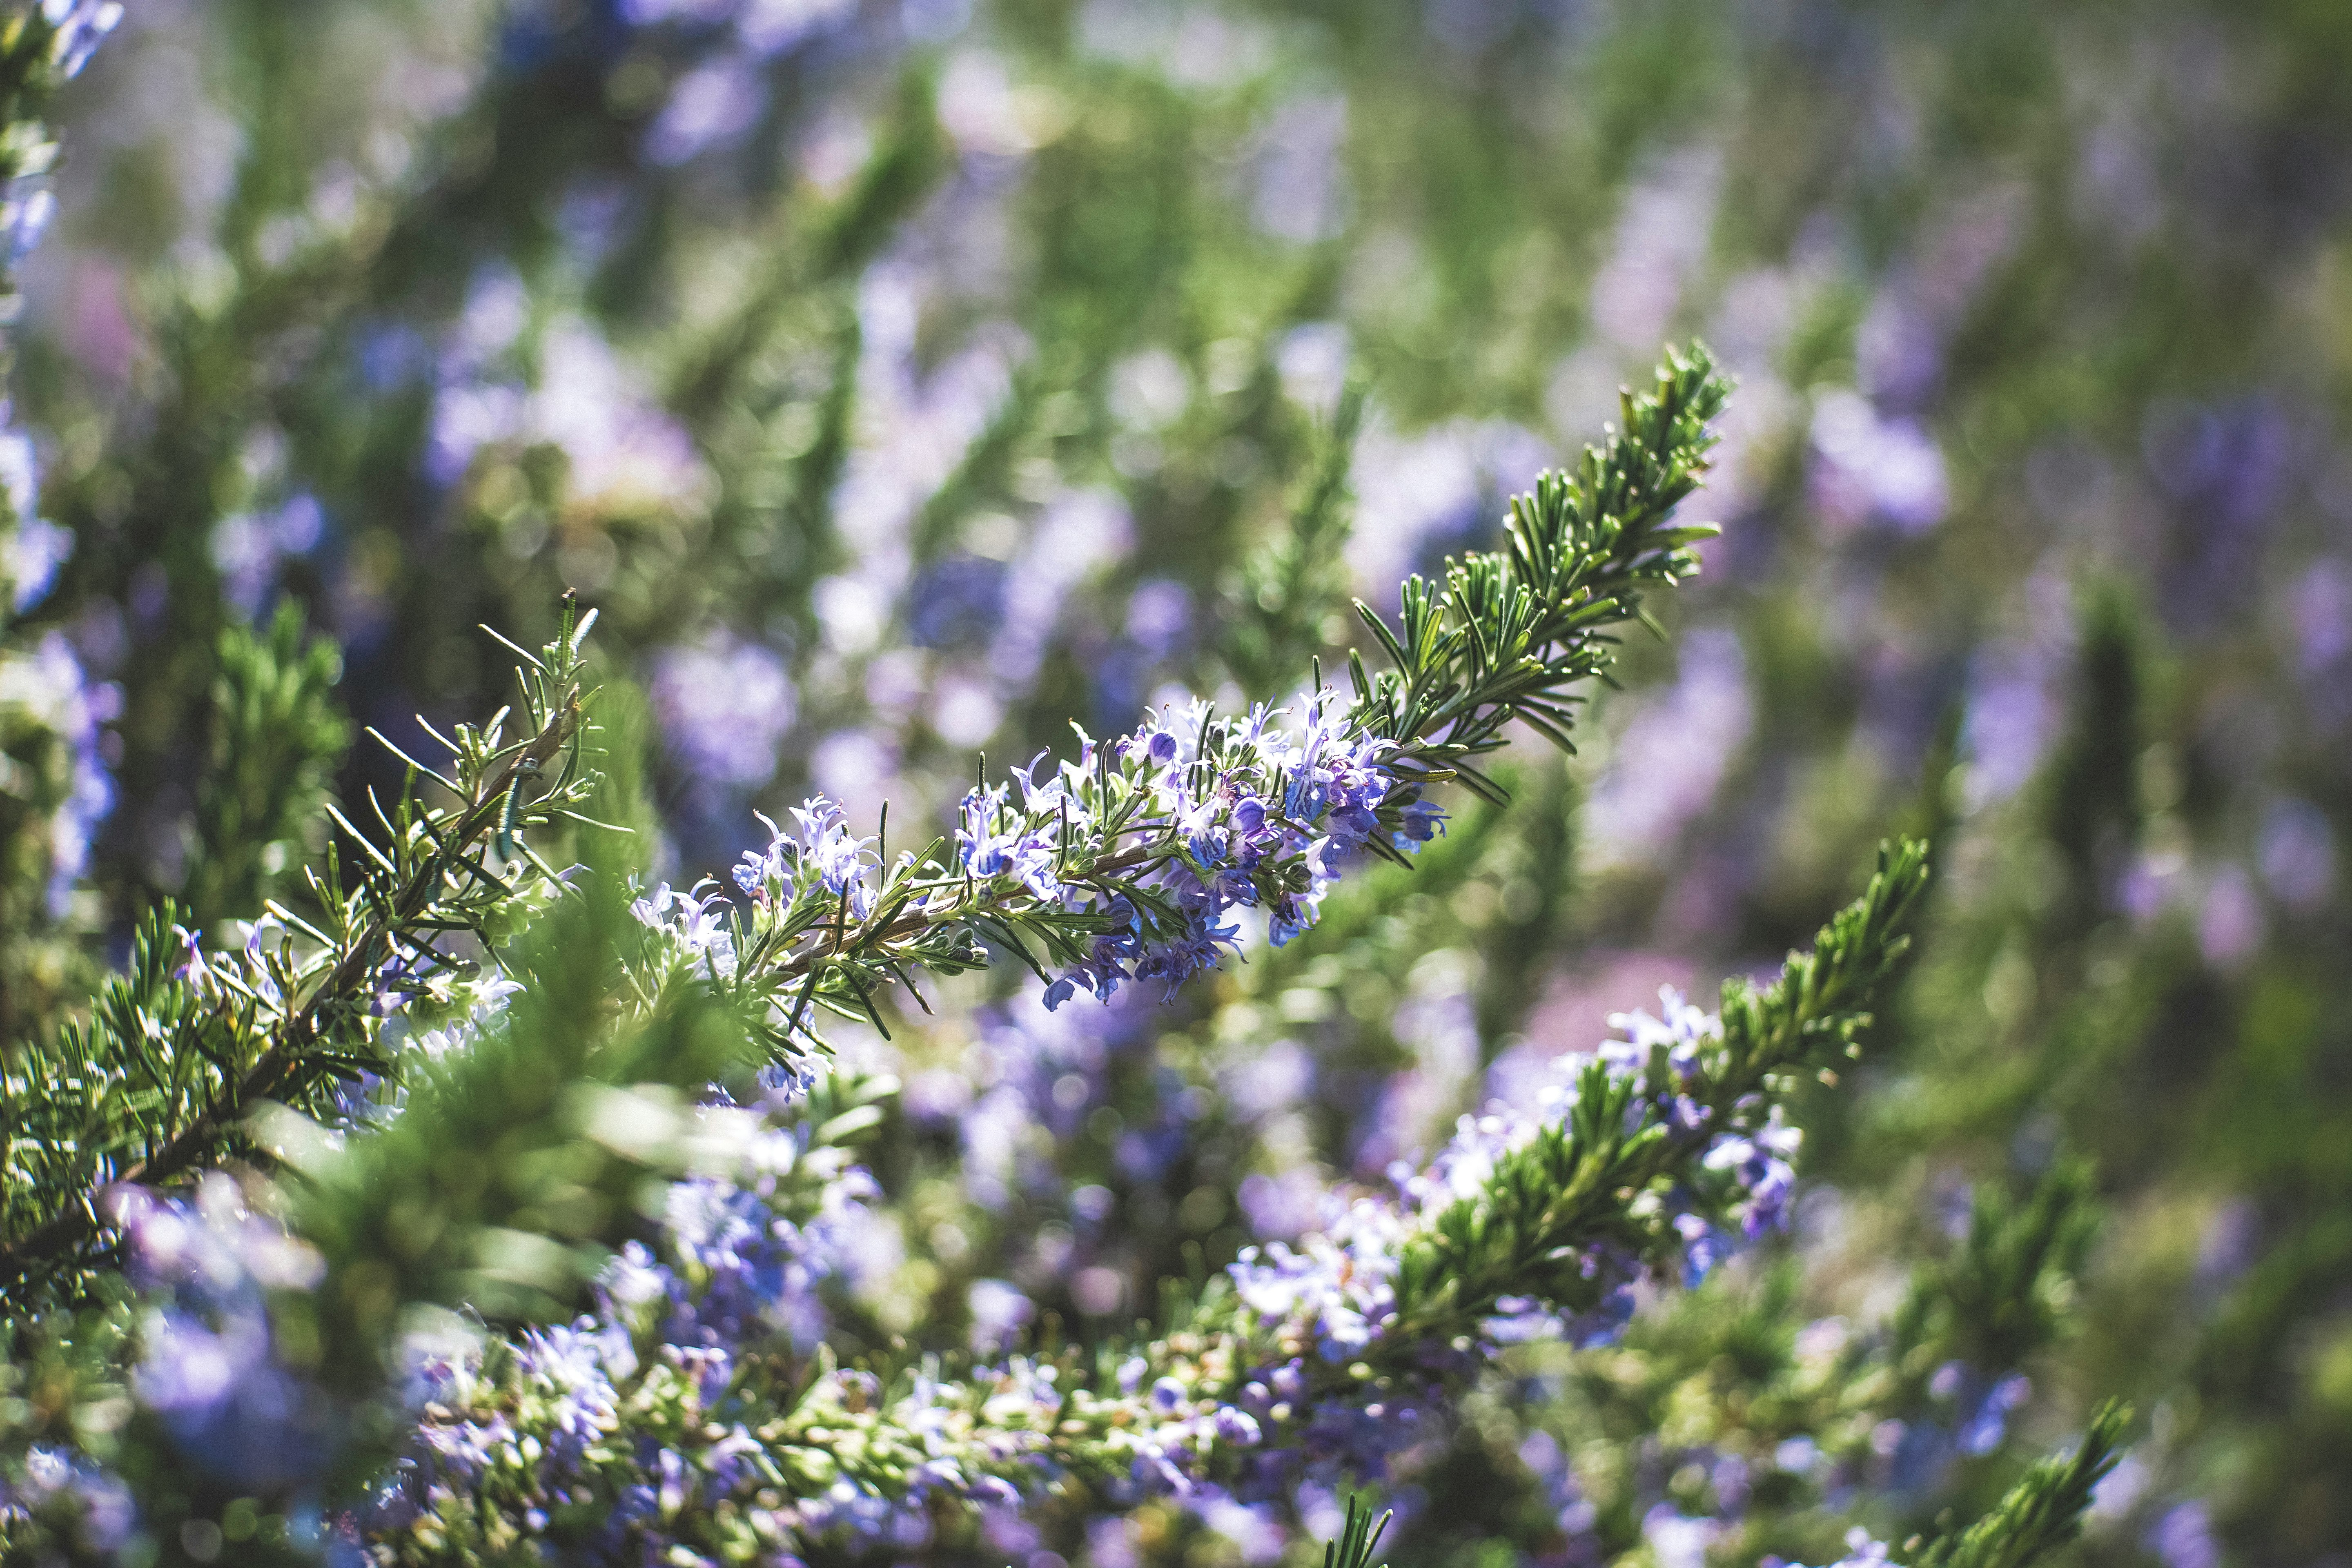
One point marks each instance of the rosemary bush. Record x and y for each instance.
(818, 781)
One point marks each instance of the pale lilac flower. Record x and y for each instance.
(999, 1313)
(2230, 923)
(726, 705)
(2013, 713)
(1985, 1429)
(1861, 1551)
(1869, 468)
(2184, 1538)
(772, 26)
(1300, 185)
(49, 684)
(1677, 1540)
(107, 1512)
(209, 1366)
(710, 107)
(1663, 226)
(82, 25)
(35, 548)
(248, 548)
(2296, 854)
(1420, 494)
(1674, 754)
(694, 921)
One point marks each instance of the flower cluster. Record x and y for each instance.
(1129, 860)
(719, 101)
(1297, 1364)
(665, 1415)
(59, 1488)
(50, 687)
(431, 1004)
(700, 1405)
(209, 1368)
(210, 1365)
(821, 851)
(35, 548)
(32, 548)
(609, 1414)
(1336, 1291)
(27, 202)
(1254, 816)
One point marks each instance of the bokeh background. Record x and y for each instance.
(901, 380)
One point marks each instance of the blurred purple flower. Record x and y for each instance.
(999, 1313)
(1671, 757)
(956, 600)
(1985, 1429)
(653, 13)
(1867, 468)
(1312, 361)
(1437, 1024)
(725, 705)
(2296, 853)
(1664, 221)
(56, 1478)
(2319, 608)
(2230, 924)
(625, 453)
(1423, 493)
(34, 547)
(1676, 1541)
(2230, 1244)
(1899, 347)
(248, 548)
(710, 107)
(1299, 187)
(209, 1362)
(2184, 1538)
(1269, 1079)
(772, 26)
(1159, 616)
(1079, 533)
(50, 684)
(82, 25)
(764, 26)
(1284, 1204)
(2013, 713)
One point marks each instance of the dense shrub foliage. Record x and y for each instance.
(1111, 783)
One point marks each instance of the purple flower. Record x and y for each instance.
(694, 921)
(999, 1311)
(1237, 1427)
(57, 1478)
(209, 1363)
(725, 705)
(1027, 856)
(50, 685)
(1984, 1430)
(82, 25)
(1869, 468)
(2183, 1538)
(827, 849)
(1758, 1164)
(35, 549)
